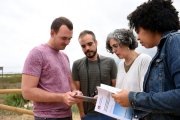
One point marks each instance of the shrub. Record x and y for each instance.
(15, 100)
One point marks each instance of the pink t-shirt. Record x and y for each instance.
(53, 69)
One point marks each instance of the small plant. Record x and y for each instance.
(74, 108)
(16, 100)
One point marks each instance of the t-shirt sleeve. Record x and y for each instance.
(113, 70)
(33, 63)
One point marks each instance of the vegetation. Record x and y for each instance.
(11, 78)
(10, 81)
(15, 100)
(13, 81)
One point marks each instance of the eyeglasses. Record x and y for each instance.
(114, 47)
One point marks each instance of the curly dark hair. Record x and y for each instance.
(156, 16)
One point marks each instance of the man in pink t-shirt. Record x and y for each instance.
(46, 77)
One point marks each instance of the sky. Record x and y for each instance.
(25, 24)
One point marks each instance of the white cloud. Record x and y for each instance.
(26, 23)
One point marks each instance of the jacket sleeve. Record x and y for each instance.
(167, 101)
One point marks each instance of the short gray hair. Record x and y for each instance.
(124, 37)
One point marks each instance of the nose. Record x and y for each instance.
(113, 50)
(67, 42)
(87, 48)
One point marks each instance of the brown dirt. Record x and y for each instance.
(27, 117)
(16, 117)
(7, 115)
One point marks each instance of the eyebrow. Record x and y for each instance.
(115, 45)
(89, 43)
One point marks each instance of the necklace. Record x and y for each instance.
(127, 67)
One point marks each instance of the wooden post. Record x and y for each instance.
(6, 91)
(15, 109)
(11, 108)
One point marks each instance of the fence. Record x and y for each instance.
(11, 108)
(75, 114)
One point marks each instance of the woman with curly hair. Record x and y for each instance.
(133, 65)
(157, 23)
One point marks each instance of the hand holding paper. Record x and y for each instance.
(106, 104)
(86, 98)
(122, 98)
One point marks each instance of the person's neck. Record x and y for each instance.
(157, 38)
(131, 57)
(50, 44)
(94, 58)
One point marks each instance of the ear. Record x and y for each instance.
(52, 33)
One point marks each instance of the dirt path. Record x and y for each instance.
(10, 117)
(6, 115)
(24, 117)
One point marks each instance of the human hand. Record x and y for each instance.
(94, 102)
(122, 98)
(78, 93)
(96, 96)
(69, 99)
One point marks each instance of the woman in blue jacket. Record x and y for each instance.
(157, 23)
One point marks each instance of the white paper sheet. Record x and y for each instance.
(106, 105)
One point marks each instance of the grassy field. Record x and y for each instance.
(13, 81)
(10, 81)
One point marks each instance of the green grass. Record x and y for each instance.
(74, 108)
(10, 81)
(10, 78)
(15, 100)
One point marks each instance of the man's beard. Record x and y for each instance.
(90, 54)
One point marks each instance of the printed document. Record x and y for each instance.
(106, 105)
(86, 98)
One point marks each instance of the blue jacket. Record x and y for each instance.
(161, 97)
